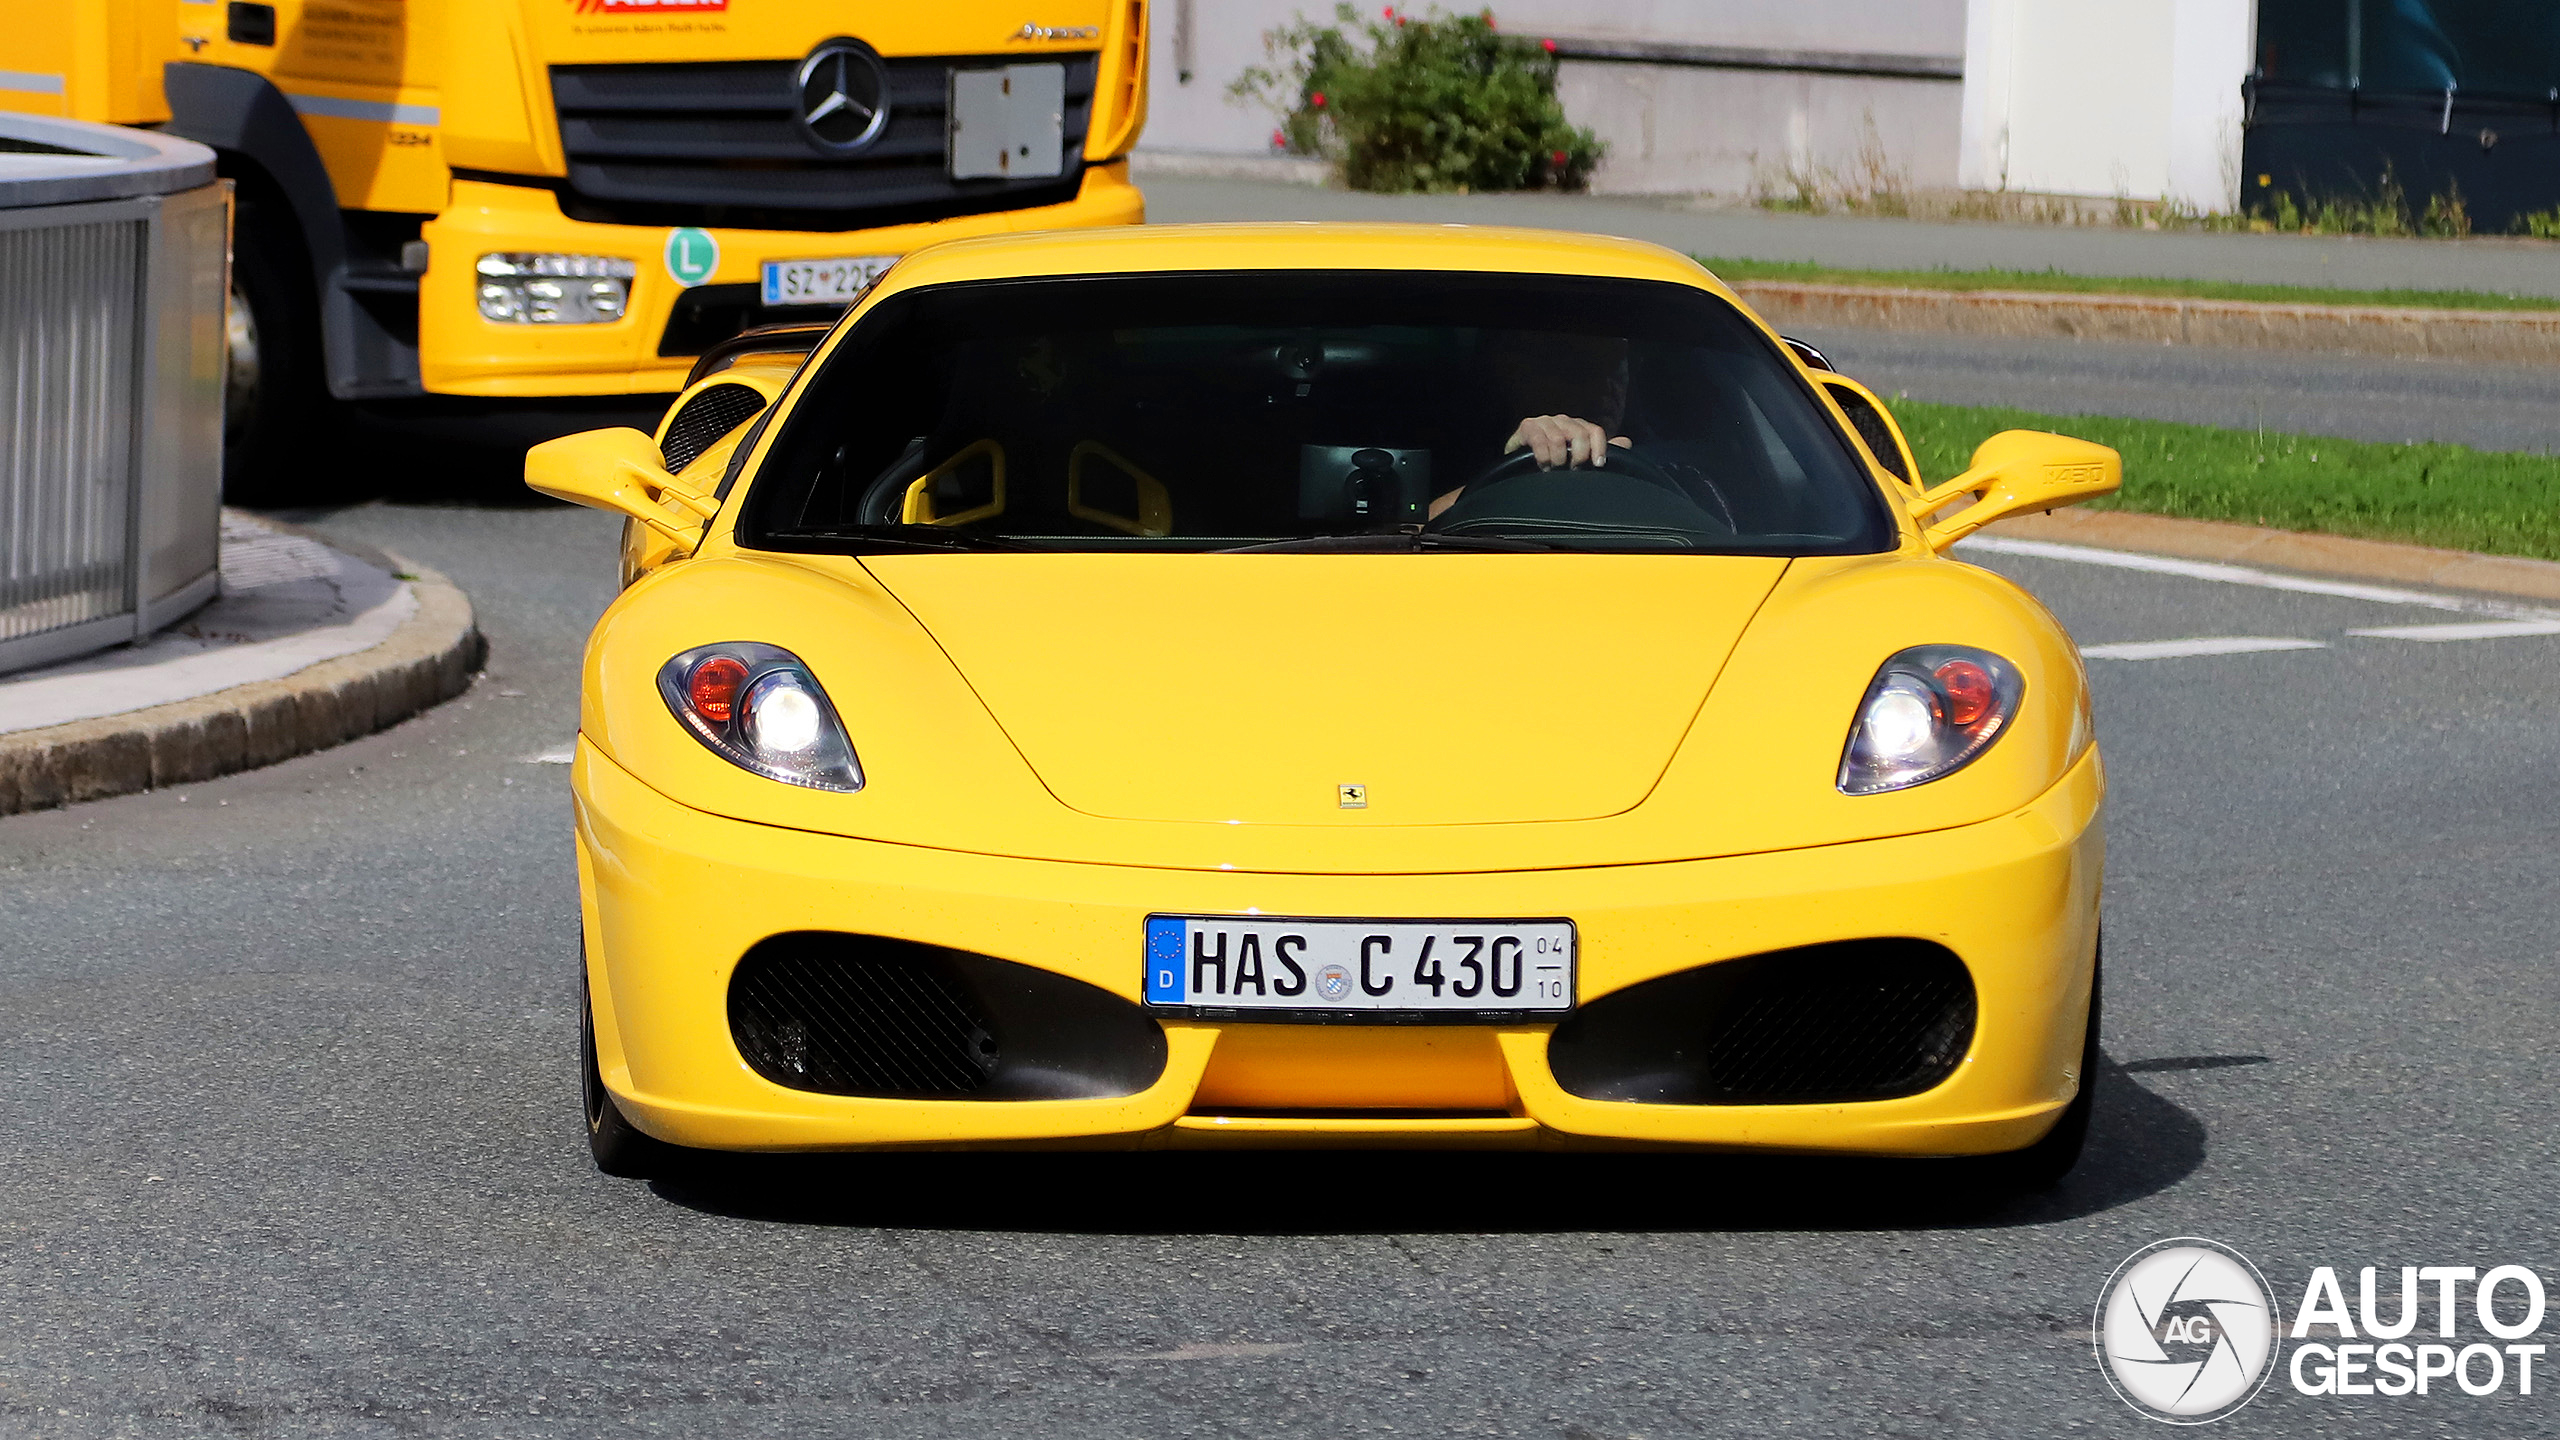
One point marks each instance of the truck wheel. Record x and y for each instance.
(274, 402)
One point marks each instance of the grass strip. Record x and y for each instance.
(2452, 496)
(2055, 282)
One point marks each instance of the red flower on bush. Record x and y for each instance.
(1317, 99)
(1279, 140)
(1550, 46)
(1559, 157)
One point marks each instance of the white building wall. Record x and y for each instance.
(1670, 127)
(1683, 129)
(2138, 98)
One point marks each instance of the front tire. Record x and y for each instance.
(620, 1148)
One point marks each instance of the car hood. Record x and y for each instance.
(1251, 689)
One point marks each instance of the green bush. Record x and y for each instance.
(2386, 211)
(1430, 102)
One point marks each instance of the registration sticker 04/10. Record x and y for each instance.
(1285, 968)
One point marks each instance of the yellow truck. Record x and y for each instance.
(551, 198)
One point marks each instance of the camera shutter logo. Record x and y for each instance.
(2185, 1331)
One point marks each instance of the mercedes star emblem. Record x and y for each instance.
(843, 100)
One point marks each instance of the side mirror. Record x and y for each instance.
(618, 470)
(2017, 472)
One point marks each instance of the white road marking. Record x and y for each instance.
(2245, 575)
(565, 755)
(2206, 645)
(2472, 630)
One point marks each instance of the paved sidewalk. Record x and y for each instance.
(2520, 267)
(306, 647)
(287, 602)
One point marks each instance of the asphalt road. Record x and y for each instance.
(2488, 407)
(289, 1139)
(2356, 262)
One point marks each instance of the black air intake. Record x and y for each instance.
(864, 1015)
(1858, 1020)
(713, 412)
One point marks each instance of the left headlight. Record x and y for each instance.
(759, 708)
(1929, 712)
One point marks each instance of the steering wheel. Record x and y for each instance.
(1629, 482)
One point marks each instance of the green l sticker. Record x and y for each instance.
(692, 255)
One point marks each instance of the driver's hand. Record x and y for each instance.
(1560, 441)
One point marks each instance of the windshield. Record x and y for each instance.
(1311, 410)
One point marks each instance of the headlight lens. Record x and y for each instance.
(1927, 714)
(759, 708)
(520, 288)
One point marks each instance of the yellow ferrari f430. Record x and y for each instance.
(1319, 686)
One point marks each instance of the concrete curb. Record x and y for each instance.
(430, 658)
(2334, 555)
(2511, 337)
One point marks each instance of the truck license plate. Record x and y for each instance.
(839, 281)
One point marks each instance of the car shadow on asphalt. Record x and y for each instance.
(2139, 1144)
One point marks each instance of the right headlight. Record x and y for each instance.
(1930, 710)
(759, 708)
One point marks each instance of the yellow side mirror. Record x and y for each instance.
(2017, 472)
(618, 470)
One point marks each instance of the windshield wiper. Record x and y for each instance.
(919, 538)
(1437, 540)
(1391, 542)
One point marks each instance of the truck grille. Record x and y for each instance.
(715, 144)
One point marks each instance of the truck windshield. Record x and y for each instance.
(1311, 410)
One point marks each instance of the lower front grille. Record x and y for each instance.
(860, 1021)
(1858, 1020)
(708, 314)
(866, 1015)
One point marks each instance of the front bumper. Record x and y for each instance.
(460, 353)
(673, 897)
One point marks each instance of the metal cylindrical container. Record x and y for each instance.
(114, 271)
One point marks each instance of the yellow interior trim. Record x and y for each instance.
(918, 507)
(1155, 506)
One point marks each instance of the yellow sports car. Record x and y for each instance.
(1324, 685)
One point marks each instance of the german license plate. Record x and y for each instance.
(1283, 968)
(839, 281)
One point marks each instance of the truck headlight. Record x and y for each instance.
(517, 288)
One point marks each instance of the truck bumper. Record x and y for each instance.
(460, 353)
